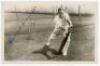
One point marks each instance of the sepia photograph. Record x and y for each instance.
(49, 31)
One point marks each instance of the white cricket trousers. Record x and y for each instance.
(56, 32)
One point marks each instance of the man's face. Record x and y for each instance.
(60, 11)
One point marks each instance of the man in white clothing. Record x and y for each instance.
(63, 26)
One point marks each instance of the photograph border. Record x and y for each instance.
(47, 62)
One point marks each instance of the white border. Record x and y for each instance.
(37, 62)
(49, 0)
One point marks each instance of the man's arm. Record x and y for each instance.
(69, 22)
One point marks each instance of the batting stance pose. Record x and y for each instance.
(63, 26)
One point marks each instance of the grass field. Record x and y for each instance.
(81, 48)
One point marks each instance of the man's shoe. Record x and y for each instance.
(42, 50)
